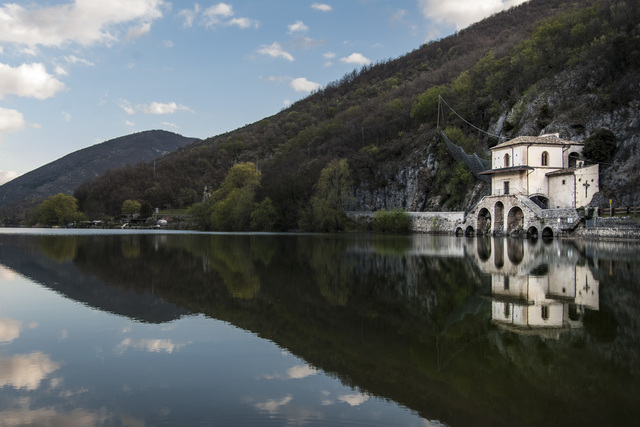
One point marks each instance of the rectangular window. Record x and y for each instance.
(506, 187)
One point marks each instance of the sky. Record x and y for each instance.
(77, 73)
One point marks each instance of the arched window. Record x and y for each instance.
(545, 312)
(506, 161)
(545, 159)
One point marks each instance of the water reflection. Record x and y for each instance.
(448, 328)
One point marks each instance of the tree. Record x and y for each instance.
(600, 146)
(263, 217)
(59, 210)
(233, 202)
(131, 207)
(332, 197)
(426, 106)
(146, 210)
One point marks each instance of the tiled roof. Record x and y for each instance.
(544, 140)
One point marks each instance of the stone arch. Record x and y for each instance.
(547, 232)
(498, 220)
(459, 232)
(532, 232)
(573, 159)
(541, 200)
(515, 220)
(469, 231)
(484, 221)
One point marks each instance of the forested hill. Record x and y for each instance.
(66, 173)
(545, 66)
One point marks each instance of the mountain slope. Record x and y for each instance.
(66, 173)
(542, 67)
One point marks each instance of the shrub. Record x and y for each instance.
(600, 146)
(394, 221)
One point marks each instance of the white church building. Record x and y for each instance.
(537, 183)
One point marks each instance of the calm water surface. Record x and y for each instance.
(154, 328)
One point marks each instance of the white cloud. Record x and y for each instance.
(169, 124)
(272, 406)
(11, 120)
(462, 13)
(353, 399)
(160, 108)
(167, 43)
(28, 80)
(150, 345)
(26, 370)
(321, 7)
(128, 123)
(153, 108)
(301, 371)
(189, 15)
(356, 58)
(60, 71)
(135, 32)
(301, 84)
(9, 328)
(297, 27)
(72, 59)
(5, 272)
(84, 21)
(275, 51)
(243, 23)
(213, 15)
(23, 416)
(66, 116)
(329, 55)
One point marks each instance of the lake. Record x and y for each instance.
(157, 328)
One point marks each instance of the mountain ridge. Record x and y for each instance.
(65, 174)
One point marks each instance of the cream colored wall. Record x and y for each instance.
(562, 195)
(588, 175)
(517, 183)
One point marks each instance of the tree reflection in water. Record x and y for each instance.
(444, 326)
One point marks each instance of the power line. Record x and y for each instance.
(441, 99)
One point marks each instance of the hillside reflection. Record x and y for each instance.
(451, 328)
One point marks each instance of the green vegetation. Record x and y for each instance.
(381, 120)
(58, 210)
(600, 146)
(394, 221)
(326, 211)
(131, 207)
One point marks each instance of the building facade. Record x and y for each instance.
(537, 183)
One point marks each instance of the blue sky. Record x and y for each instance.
(77, 73)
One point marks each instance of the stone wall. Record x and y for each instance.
(422, 222)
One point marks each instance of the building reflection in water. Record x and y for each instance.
(538, 286)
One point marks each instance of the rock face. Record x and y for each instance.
(65, 174)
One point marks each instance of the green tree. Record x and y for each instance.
(600, 146)
(131, 207)
(264, 215)
(59, 210)
(426, 106)
(332, 197)
(146, 210)
(233, 202)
